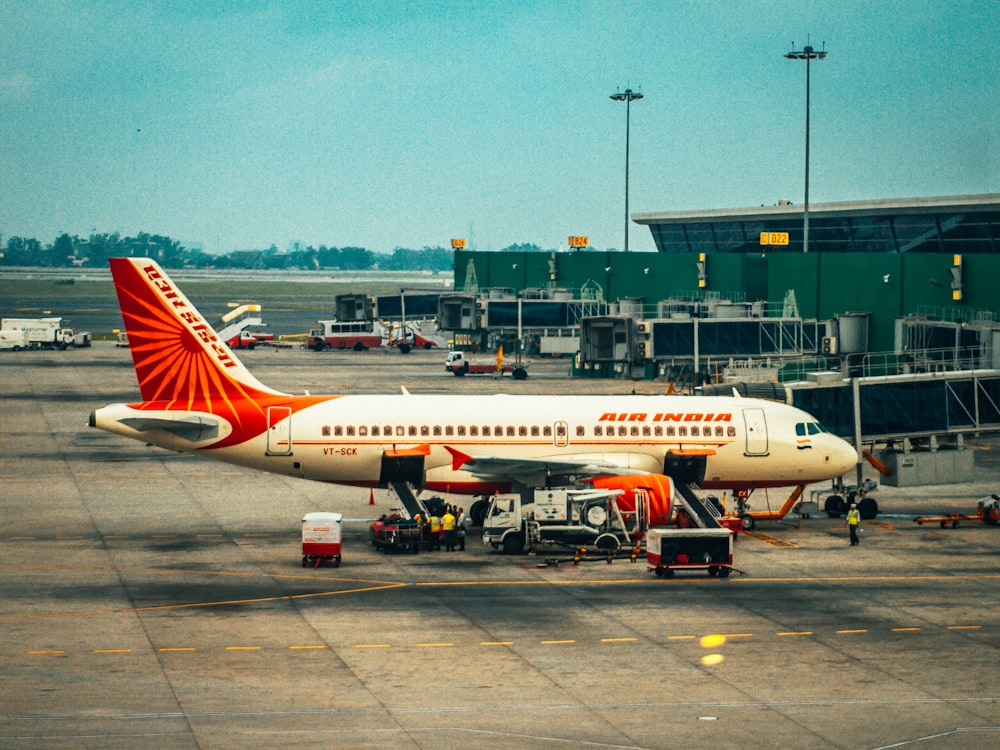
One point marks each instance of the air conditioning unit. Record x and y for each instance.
(643, 326)
(829, 345)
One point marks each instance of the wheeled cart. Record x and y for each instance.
(321, 539)
(669, 550)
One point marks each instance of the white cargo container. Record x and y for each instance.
(321, 537)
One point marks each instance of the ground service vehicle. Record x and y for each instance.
(408, 337)
(989, 509)
(321, 539)
(601, 517)
(710, 550)
(13, 339)
(393, 532)
(249, 339)
(458, 364)
(332, 334)
(41, 333)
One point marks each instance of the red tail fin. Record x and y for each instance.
(178, 357)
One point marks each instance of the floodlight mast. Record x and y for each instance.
(808, 54)
(627, 96)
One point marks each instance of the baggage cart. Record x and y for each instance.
(391, 533)
(321, 537)
(669, 550)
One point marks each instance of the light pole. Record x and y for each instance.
(808, 54)
(627, 96)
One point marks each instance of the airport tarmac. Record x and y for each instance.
(157, 599)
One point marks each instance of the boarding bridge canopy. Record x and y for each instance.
(734, 338)
(908, 405)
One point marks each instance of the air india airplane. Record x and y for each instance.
(197, 397)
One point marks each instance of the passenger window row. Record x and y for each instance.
(527, 431)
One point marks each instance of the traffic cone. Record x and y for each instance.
(371, 497)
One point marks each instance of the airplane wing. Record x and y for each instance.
(534, 470)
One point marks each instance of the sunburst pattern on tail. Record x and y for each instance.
(178, 358)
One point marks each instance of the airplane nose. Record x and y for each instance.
(843, 456)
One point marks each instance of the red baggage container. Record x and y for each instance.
(321, 538)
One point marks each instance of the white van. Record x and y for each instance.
(13, 339)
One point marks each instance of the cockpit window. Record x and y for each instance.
(809, 428)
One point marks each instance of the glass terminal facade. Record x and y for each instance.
(965, 225)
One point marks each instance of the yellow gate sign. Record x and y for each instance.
(774, 238)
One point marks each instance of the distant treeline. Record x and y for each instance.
(93, 252)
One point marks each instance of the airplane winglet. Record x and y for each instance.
(403, 389)
(458, 459)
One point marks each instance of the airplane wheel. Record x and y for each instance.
(478, 512)
(833, 506)
(520, 373)
(868, 508)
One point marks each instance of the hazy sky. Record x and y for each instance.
(384, 124)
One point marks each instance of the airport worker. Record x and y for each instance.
(435, 537)
(853, 521)
(463, 521)
(448, 528)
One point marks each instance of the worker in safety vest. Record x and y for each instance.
(435, 540)
(853, 522)
(448, 529)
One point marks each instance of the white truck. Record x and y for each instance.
(560, 516)
(458, 365)
(44, 333)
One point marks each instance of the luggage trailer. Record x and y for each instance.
(321, 537)
(669, 550)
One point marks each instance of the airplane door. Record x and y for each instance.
(279, 431)
(756, 432)
(560, 434)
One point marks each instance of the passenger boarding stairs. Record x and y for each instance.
(236, 320)
(412, 503)
(702, 512)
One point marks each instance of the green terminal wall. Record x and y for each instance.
(886, 285)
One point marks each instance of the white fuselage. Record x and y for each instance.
(744, 443)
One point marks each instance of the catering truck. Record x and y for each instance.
(44, 333)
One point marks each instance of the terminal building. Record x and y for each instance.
(888, 289)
